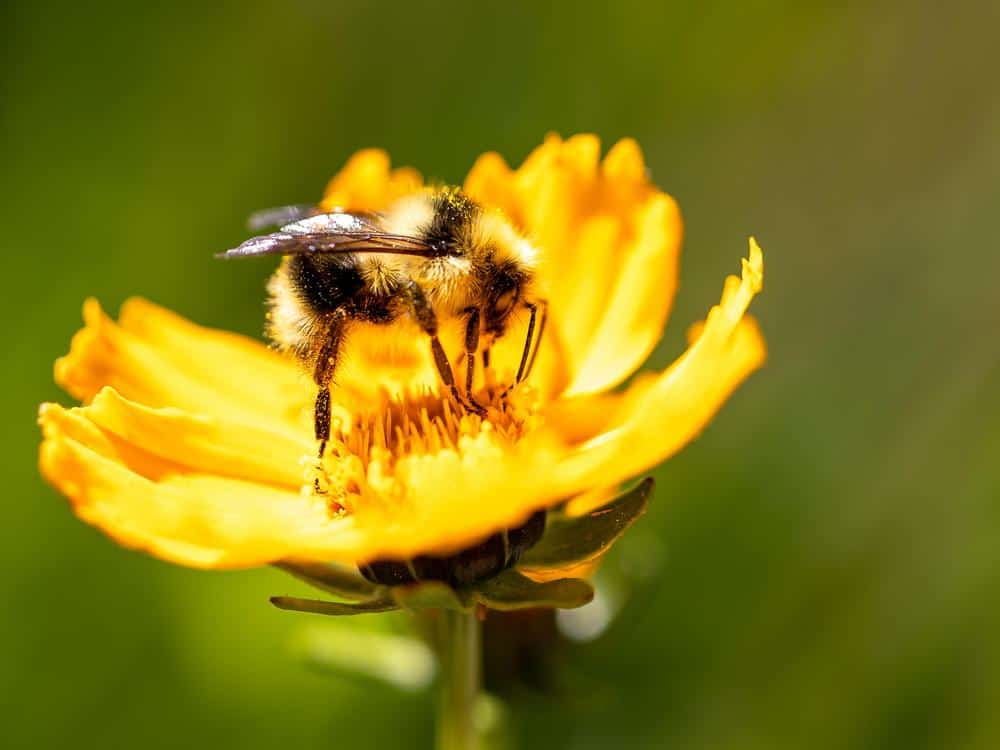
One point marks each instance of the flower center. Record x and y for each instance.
(366, 446)
(425, 424)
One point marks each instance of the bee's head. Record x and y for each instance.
(505, 289)
(508, 271)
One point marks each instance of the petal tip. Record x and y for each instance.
(45, 410)
(92, 311)
(753, 267)
(625, 161)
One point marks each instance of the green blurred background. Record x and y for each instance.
(829, 550)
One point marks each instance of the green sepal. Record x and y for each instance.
(431, 595)
(510, 590)
(335, 609)
(568, 541)
(333, 578)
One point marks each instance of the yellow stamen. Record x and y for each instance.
(427, 423)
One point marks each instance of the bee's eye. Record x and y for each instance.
(504, 302)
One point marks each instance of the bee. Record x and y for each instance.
(430, 258)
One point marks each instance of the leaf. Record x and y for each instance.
(430, 595)
(336, 609)
(510, 590)
(569, 541)
(333, 578)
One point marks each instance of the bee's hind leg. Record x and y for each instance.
(427, 320)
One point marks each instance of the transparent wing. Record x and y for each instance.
(333, 233)
(280, 215)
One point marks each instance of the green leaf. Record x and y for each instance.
(569, 541)
(333, 578)
(430, 595)
(510, 590)
(336, 609)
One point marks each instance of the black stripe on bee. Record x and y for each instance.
(325, 282)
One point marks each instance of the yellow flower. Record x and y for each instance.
(196, 445)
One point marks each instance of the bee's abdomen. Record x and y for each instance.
(325, 283)
(465, 568)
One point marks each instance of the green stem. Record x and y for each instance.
(461, 658)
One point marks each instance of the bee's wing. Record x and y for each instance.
(280, 215)
(332, 233)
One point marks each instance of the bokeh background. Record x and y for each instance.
(824, 562)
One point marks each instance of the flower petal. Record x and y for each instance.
(156, 358)
(154, 479)
(610, 242)
(201, 444)
(366, 183)
(632, 321)
(443, 502)
(225, 360)
(197, 520)
(669, 411)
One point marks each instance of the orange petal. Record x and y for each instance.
(168, 483)
(159, 359)
(675, 406)
(609, 243)
(366, 183)
(442, 502)
(490, 182)
(632, 322)
(227, 361)
(74, 423)
(196, 520)
(203, 444)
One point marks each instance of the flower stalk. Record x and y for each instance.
(461, 665)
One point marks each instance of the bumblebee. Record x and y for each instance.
(432, 258)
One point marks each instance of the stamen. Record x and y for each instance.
(425, 423)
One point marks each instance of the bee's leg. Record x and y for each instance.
(486, 367)
(471, 347)
(538, 339)
(528, 354)
(528, 338)
(427, 321)
(326, 364)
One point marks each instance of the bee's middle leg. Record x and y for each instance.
(471, 347)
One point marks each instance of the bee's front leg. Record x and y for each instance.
(529, 352)
(326, 365)
(544, 304)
